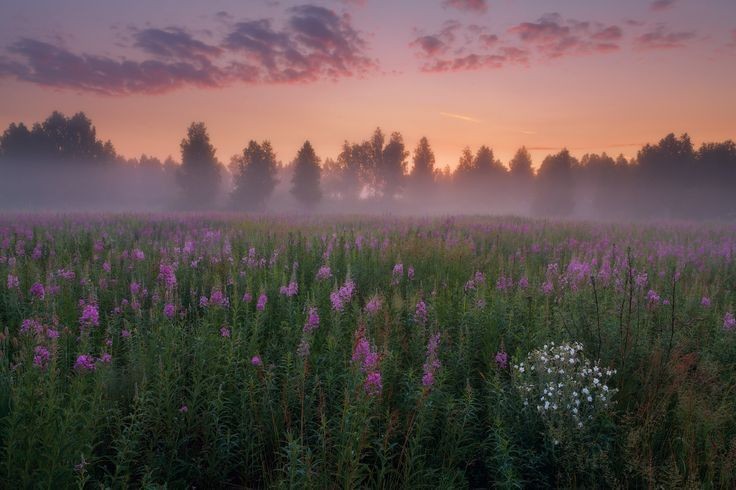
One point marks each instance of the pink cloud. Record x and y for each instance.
(477, 6)
(661, 38)
(660, 5)
(314, 43)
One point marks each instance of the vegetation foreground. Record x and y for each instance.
(223, 351)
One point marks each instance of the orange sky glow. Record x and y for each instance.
(589, 76)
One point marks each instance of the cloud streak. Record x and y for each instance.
(460, 117)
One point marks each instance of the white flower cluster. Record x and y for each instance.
(563, 386)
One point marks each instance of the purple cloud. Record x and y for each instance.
(661, 38)
(313, 44)
(554, 37)
(457, 47)
(53, 66)
(660, 5)
(477, 6)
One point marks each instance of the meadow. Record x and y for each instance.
(230, 351)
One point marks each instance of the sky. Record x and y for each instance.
(589, 75)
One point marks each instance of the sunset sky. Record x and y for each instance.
(592, 75)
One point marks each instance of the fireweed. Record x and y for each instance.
(247, 387)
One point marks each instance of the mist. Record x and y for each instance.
(60, 165)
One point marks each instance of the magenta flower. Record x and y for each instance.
(729, 322)
(410, 272)
(84, 362)
(291, 290)
(38, 291)
(167, 275)
(90, 316)
(13, 282)
(169, 310)
(106, 358)
(312, 320)
(183, 409)
(225, 332)
(374, 305)
(324, 272)
(502, 359)
(373, 384)
(247, 297)
(256, 360)
(705, 302)
(217, 298)
(41, 357)
(138, 254)
(262, 300)
(420, 313)
(432, 362)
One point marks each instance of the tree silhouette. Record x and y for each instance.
(57, 138)
(393, 167)
(199, 174)
(422, 173)
(554, 186)
(306, 178)
(520, 166)
(254, 176)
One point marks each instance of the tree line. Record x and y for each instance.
(61, 164)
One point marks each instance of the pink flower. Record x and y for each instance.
(312, 320)
(256, 360)
(183, 409)
(90, 316)
(41, 357)
(705, 302)
(38, 291)
(84, 362)
(167, 275)
(247, 297)
(432, 362)
(324, 272)
(373, 305)
(262, 300)
(13, 282)
(729, 322)
(169, 310)
(291, 290)
(373, 384)
(502, 359)
(420, 313)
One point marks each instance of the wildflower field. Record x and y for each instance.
(223, 351)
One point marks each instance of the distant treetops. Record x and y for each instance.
(668, 179)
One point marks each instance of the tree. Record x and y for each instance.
(306, 178)
(554, 185)
(57, 138)
(392, 168)
(422, 173)
(199, 173)
(666, 172)
(520, 166)
(254, 175)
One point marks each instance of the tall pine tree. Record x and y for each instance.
(306, 179)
